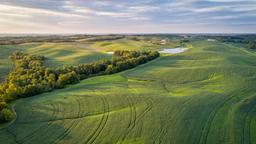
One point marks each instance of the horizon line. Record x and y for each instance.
(153, 33)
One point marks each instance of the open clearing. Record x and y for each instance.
(204, 95)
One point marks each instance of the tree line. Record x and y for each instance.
(30, 77)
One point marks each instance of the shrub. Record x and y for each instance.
(2, 105)
(6, 115)
(68, 78)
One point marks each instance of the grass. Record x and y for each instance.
(67, 53)
(57, 54)
(73, 53)
(204, 95)
(128, 44)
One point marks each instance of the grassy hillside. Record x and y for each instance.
(57, 54)
(131, 44)
(73, 53)
(205, 95)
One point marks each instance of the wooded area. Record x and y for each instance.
(30, 77)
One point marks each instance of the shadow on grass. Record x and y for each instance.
(21, 131)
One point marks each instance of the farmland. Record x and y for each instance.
(203, 95)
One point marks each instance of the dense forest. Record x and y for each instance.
(30, 77)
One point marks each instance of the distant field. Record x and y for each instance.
(204, 95)
(129, 44)
(72, 53)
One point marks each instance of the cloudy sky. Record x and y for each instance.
(127, 16)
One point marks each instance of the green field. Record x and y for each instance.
(73, 53)
(57, 54)
(204, 95)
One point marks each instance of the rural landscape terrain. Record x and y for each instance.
(141, 89)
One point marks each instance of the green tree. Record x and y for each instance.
(6, 115)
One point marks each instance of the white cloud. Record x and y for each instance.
(98, 15)
(130, 12)
(225, 17)
(115, 14)
(144, 8)
(211, 9)
(18, 10)
(15, 15)
(231, 1)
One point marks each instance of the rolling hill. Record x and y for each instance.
(204, 95)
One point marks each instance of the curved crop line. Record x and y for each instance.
(162, 133)
(104, 122)
(74, 124)
(138, 117)
(14, 136)
(56, 111)
(95, 134)
(250, 135)
(132, 119)
(247, 118)
(67, 131)
(33, 133)
(149, 103)
(206, 129)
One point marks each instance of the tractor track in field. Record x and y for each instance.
(14, 136)
(54, 115)
(133, 114)
(245, 127)
(56, 110)
(75, 122)
(138, 117)
(148, 102)
(207, 126)
(163, 133)
(96, 133)
(33, 133)
(65, 118)
(249, 127)
(247, 116)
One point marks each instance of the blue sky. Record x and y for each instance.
(126, 16)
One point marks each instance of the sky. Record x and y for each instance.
(127, 16)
